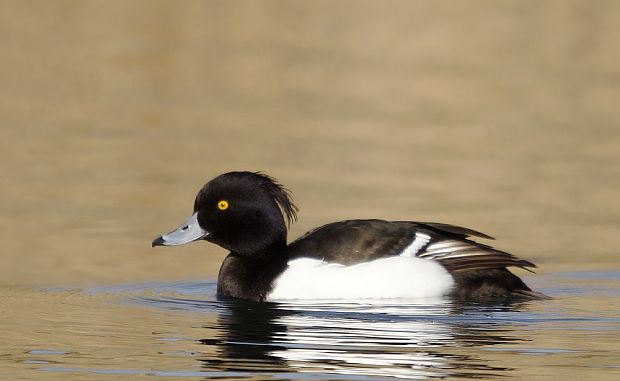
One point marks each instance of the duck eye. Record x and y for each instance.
(222, 205)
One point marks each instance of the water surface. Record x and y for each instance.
(179, 330)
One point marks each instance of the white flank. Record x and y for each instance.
(385, 278)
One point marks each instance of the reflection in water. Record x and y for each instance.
(405, 340)
(190, 334)
(246, 332)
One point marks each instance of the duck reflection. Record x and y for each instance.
(247, 331)
(411, 340)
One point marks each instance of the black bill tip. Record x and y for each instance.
(159, 241)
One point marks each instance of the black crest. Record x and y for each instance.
(280, 194)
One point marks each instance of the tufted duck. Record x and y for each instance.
(247, 213)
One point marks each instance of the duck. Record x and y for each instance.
(249, 214)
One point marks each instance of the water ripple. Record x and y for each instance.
(360, 339)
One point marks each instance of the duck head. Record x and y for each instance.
(244, 212)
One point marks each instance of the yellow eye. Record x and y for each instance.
(222, 205)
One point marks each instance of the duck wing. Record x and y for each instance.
(355, 241)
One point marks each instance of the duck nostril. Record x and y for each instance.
(184, 228)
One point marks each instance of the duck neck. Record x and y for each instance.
(251, 275)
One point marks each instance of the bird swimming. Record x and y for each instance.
(248, 214)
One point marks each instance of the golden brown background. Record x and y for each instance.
(498, 115)
(502, 116)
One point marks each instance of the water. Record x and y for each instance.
(179, 330)
(501, 116)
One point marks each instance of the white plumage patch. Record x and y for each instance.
(385, 278)
(419, 242)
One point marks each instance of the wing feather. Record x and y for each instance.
(465, 255)
(355, 241)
